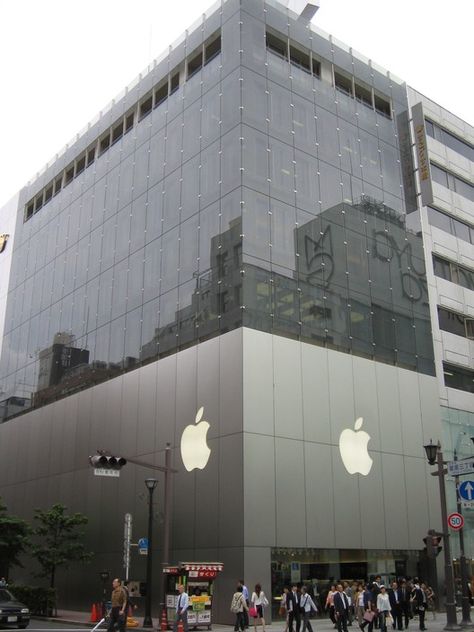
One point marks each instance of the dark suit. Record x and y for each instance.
(404, 599)
(396, 608)
(420, 602)
(341, 608)
(293, 609)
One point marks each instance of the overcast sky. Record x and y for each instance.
(62, 62)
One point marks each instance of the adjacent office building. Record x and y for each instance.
(268, 226)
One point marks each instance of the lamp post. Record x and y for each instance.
(435, 456)
(151, 484)
(104, 575)
(466, 606)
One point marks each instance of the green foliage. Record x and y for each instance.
(60, 542)
(39, 600)
(14, 540)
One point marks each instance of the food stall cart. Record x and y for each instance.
(198, 580)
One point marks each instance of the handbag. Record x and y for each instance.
(369, 616)
(253, 612)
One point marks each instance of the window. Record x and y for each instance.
(58, 185)
(129, 119)
(316, 68)
(452, 182)
(442, 268)
(174, 84)
(451, 322)
(453, 272)
(212, 49)
(277, 45)
(343, 83)
(363, 95)
(48, 194)
(104, 143)
(300, 59)
(450, 140)
(161, 94)
(450, 225)
(382, 106)
(29, 210)
(195, 64)
(117, 132)
(39, 202)
(456, 377)
(145, 107)
(69, 175)
(80, 165)
(90, 155)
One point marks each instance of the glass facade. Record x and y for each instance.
(257, 194)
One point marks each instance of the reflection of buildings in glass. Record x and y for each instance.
(215, 303)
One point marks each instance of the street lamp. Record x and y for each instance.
(434, 455)
(151, 484)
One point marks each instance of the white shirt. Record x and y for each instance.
(307, 603)
(383, 602)
(258, 600)
(182, 603)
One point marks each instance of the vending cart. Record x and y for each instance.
(198, 580)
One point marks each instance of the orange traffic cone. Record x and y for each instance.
(164, 621)
(94, 614)
(180, 626)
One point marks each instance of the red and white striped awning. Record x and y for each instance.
(200, 566)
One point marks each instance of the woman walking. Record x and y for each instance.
(383, 608)
(330, 604)
(259, 603)
(284, 607)
(307, 606)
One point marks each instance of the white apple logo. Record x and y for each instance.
(353, 448)
(194, 449)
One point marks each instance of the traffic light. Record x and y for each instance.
(107, 465)
(432, 544)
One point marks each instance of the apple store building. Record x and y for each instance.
(223, 262)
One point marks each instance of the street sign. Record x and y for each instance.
(455, 521)
(459, 468)
(466, 490)
(102, 471)
(143, 546)
(467, 504)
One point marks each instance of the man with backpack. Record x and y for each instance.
(238, 606)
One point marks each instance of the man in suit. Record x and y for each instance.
(293, 602)
(420, 601)
(404, 599)
(395, 606)
(341, 608)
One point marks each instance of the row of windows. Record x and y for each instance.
(455, 323)
(305, 60)
(455, 227)
(169, 84)
(453, 272)
(447, 138)
(452, 182)
(455, 377)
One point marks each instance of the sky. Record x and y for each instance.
(62, 62)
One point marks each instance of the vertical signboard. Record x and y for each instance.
(426, 189)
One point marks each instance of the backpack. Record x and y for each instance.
(236, 604)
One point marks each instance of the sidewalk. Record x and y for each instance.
(82, 620)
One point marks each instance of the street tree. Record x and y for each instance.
(59, 540)
(14, 540)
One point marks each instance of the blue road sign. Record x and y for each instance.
(143, 546)
(466, 490)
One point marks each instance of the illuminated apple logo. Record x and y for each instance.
(353, 448)
(194, 449)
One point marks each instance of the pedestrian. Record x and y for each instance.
(245, 592)
(181, 609)
(347, 588)
(294, 612)
(383, 608)
(118, 614)
(330, 604)
(419, 601)
(365, 604)
(238, 606)
(405, 606)
(430, 598)
(395, 606)
(341, 608)
(259, 602)
(308, 607)
(283, 611)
